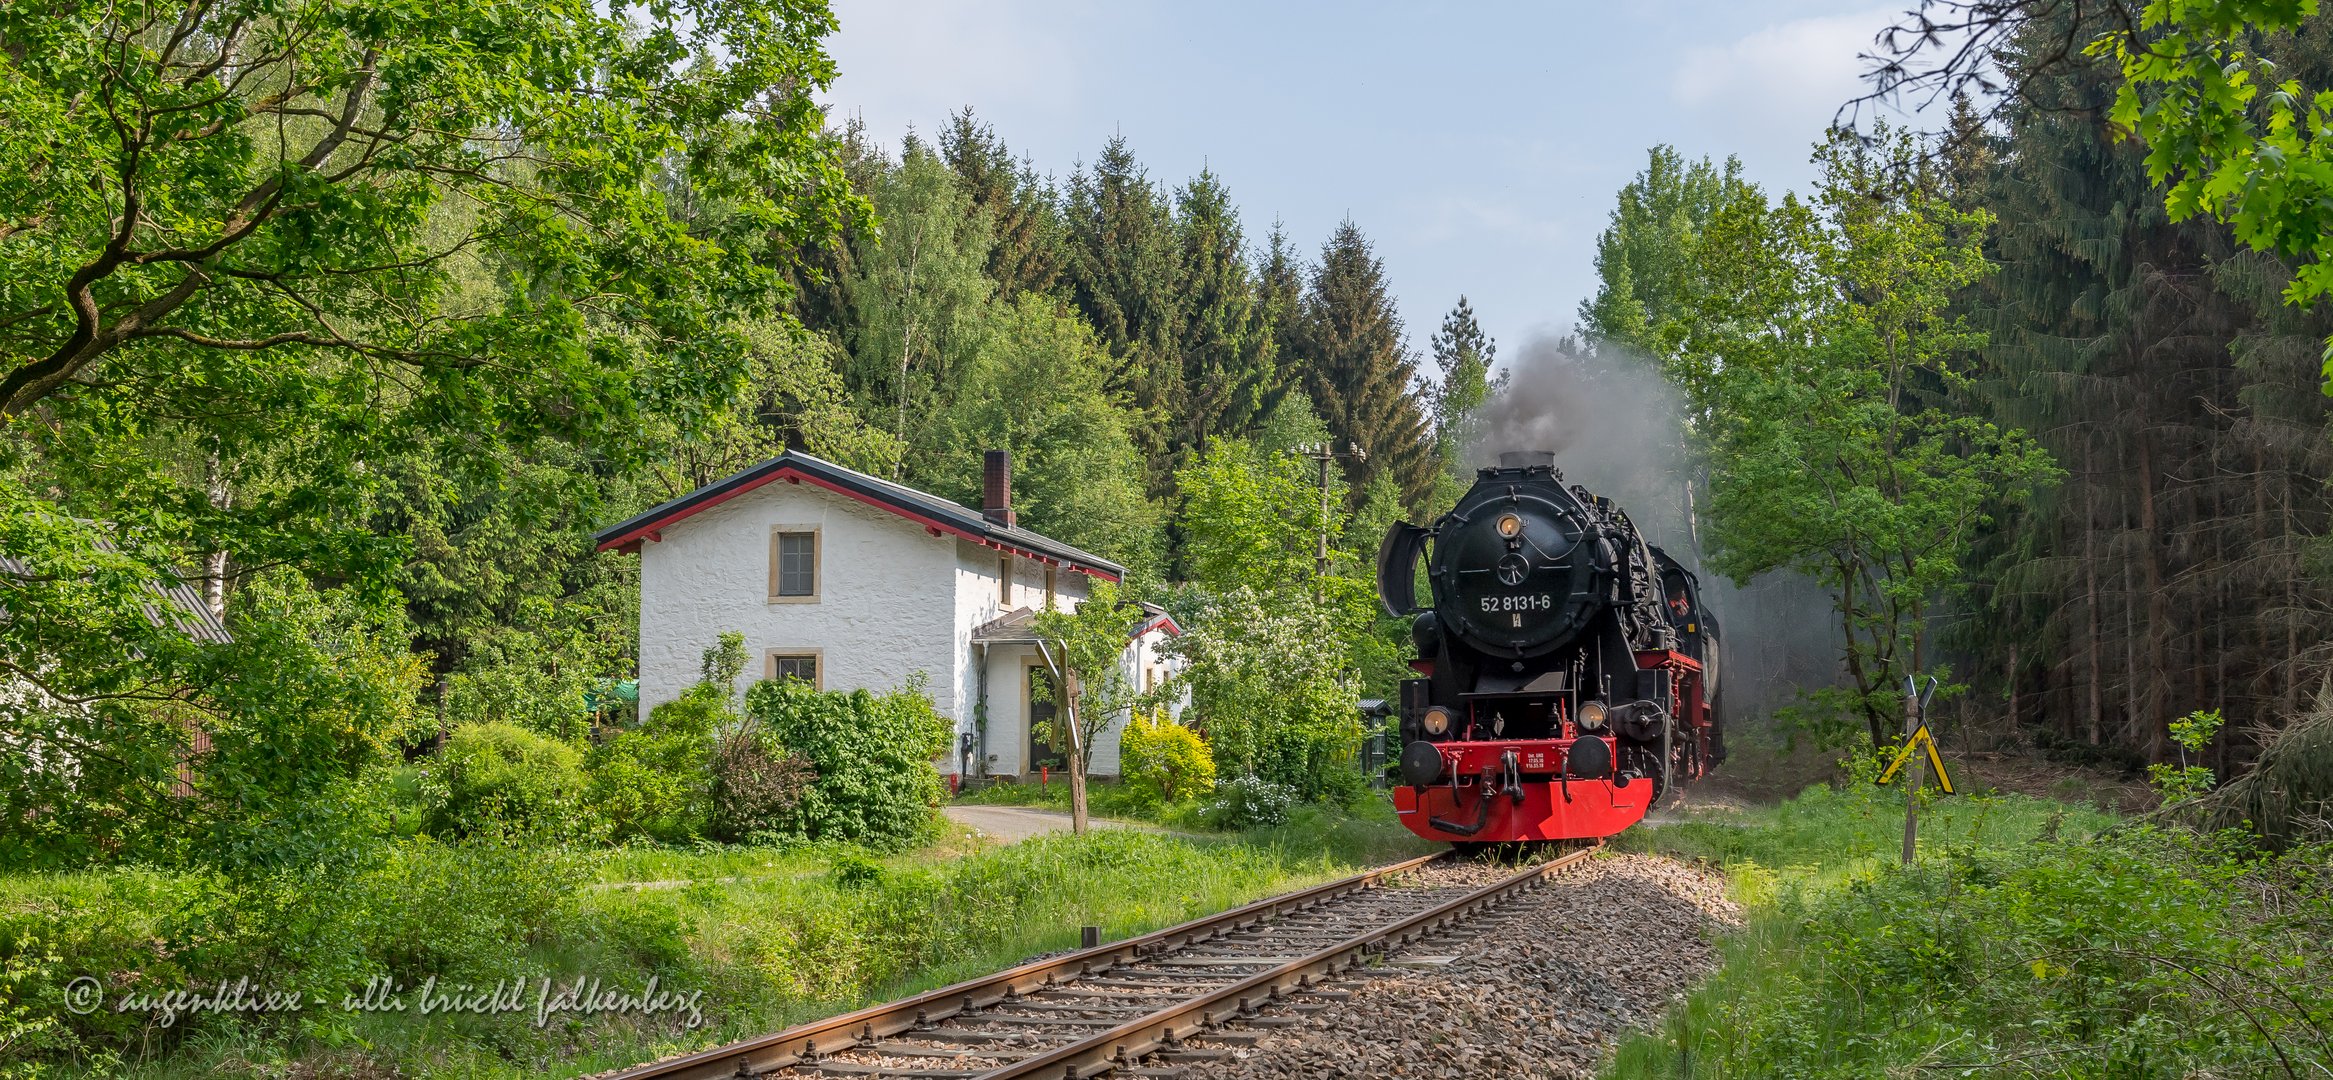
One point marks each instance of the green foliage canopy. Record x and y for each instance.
(2230, 139)
(255, 256)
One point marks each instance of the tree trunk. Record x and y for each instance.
(2130, 656)
(1077, 756)
(2095, 714)
(215, 562)
(2156, 702)
(2012, 676)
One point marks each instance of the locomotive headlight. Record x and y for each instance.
(1510, 525)
(1592, 716)
(1436, 721)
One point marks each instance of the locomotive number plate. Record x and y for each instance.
(1524, 602)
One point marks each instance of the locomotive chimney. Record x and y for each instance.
(996, 487)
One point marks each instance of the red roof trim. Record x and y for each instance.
(652, 531)
(1163, 621)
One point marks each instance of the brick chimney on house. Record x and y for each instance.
(996, 487)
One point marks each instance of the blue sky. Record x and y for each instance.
(1479, 146)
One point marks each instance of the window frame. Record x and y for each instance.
(778, 533)
(817, 658)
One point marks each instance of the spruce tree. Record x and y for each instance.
(1463, 353)
(1227, 358)
(1359, 370)
(1123, 277)
(1280, 276)
(2154, 360)
(1023, 213)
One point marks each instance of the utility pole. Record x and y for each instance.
(1915, 717)
(1321, 453)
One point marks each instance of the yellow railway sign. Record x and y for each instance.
(1920, 740)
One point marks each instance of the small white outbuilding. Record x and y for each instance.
(849, 581)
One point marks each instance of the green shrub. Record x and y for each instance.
(1251, 802)
(1165, 759)
(755, 789)
(526, 675)
(408, 910)
(1276, 693)
(872, 756)
(501, 779)
(701, 710)
(652, 784)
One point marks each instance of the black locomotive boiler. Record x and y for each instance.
(1567, 669)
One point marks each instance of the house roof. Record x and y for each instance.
(938, 516)
(1018, 626)
(174, 603)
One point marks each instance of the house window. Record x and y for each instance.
(1004, 579)
(795, 665)
(793, 565)
(1049, 588)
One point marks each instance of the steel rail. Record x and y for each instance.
(1130, 1042)
(800, 1044)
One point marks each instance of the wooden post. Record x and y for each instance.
(1077, 812)
(1076, 763)
(1919, 763)
(1065, 689)
(1321, 562)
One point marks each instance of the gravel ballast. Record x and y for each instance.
(1542, 986)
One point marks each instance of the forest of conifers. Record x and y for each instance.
(377, 423)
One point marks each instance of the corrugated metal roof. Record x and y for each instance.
(176, 604)
(935, 513)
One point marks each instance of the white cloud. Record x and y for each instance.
(903, 62)
(1786, 80)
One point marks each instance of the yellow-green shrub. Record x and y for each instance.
(501, 778)
(1166, 758)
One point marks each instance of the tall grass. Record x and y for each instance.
(772, 937)
(2032, 939)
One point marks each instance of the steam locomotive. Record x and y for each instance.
(1567, 670)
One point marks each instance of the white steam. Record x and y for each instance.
(1617, 428)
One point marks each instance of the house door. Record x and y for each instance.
(1047, 747)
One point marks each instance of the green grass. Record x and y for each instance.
(771, 936)
(1364, 833)
(660, 864)
(2033, 938)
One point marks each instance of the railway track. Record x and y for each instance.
(1146, 1006)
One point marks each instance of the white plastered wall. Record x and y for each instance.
(878, 619)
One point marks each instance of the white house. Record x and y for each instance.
(853, 582)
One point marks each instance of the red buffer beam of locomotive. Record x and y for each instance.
(1547, 810)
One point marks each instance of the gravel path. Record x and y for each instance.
(1541, 987)
(1015, 823)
